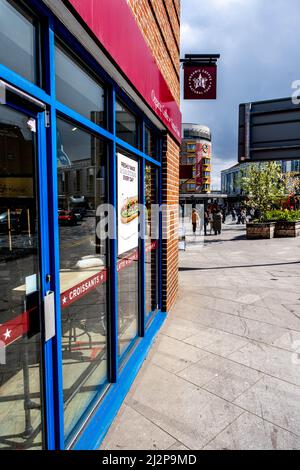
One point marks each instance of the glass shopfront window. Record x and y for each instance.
(29, 360)
(151, 247)
(18, 40)
(128, 251)
(83, 268)
(150, 143)
(126, 125)
(20, 339)
(76, 88)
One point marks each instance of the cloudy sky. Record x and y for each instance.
(259, 43)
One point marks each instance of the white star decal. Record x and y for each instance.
(64, 300)
(7, 334)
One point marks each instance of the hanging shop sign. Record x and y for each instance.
(200, 82)
(127, 204)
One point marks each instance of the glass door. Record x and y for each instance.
(81, 184)
(21, 423)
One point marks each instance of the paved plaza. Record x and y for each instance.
(224, 372)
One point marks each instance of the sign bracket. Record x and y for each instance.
(200, 59)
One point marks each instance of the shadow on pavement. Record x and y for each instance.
(236, 267)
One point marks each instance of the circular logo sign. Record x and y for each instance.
(205, 148)
(200, 81)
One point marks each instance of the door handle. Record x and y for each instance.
(49, 316)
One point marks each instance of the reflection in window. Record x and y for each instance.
(17, 40)
(126, 124)
(128, 251)
(77, 89)
(150, 143)
(151, 239)
(81, 189)
(20, 347)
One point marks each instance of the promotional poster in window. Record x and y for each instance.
(127, 204)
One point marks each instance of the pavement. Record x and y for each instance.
(224, 372)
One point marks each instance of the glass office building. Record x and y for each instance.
(78, 310)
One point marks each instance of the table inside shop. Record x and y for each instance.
(70, 281)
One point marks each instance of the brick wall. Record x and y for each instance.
(160, 25)
(170, 172)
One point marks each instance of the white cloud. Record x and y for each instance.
(258, 42)
(226, 3)
(219, 164)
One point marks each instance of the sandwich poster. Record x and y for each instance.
(127, 204)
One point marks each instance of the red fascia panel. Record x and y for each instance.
(114, 25)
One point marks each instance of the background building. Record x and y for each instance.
(230, 180)
(195, 159)
(231, 177)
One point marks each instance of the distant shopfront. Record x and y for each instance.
(78, 311)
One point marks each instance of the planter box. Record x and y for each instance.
(264, 230)
(287, 229)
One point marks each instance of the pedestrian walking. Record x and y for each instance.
(257, 214)
(233, 215)
(251, 213)
(211, 221)
(217, 221)
(243, 216)
(195, 218)
(223, 215)
(206, 222)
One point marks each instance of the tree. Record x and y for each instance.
(292, 183)
(263, 185)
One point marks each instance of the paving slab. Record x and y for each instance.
(221, 376)
(178, 446)
(224, 372)
(290, 340)
(186, 412)
(216, 341)
(270, 360)
(180, 328)
(147, 436)
(274, 400)
(174, 355)
(238, 325)
(249, 432)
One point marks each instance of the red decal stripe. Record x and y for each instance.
(82, 288)
(152, 246)
(14, 329)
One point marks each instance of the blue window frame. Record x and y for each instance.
(84, 93)
(20, 40)
(51, 30)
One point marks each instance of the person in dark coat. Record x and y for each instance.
(206, 221)
(217, 221)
